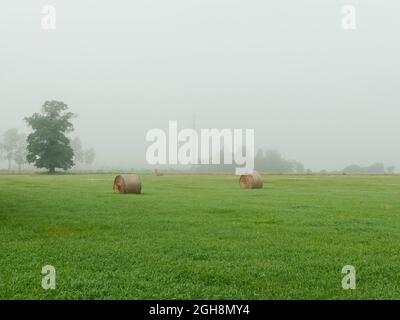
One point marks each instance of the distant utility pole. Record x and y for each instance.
(194, 124)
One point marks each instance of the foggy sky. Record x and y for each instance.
(322, 95)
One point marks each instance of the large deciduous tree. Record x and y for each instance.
(48, 147)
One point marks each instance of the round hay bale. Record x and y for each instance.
(158, 173)
(127, 183)
(251, 181)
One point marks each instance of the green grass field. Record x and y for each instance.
(200, 237)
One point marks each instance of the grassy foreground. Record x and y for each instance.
(200, 237)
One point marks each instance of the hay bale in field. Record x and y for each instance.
(127, 183)
(158, 173)
(252, 180)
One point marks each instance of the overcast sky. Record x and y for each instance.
(320, 94)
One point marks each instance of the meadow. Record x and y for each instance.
(200, 237)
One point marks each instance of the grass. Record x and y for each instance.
(200, 237)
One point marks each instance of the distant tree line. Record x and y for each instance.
(268, 161)
(273, 161)
(376, 168)
(82, 156)
(13, 148)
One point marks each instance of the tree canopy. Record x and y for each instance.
(48, 147)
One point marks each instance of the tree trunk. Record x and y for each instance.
(52, 170)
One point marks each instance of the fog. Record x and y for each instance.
(320, 94)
